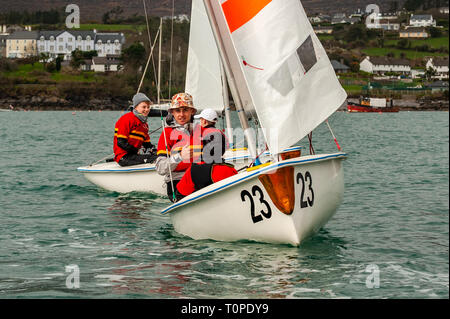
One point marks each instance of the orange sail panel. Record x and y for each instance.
(239, 12)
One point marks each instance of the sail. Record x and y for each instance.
(271, 46)
(203, 75)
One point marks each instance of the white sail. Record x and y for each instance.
(203, 76)
(272, 46)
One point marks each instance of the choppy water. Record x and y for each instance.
(393, 221)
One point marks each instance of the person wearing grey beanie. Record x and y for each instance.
(131, 134)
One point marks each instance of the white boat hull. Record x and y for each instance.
(223, 211)
(144, 178)
(112, 177)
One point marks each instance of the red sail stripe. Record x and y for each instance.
(239, 12)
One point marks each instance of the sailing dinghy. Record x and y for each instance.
(205, 81)
(277, 69)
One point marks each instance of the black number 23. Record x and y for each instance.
(256, 218)
(307, 179)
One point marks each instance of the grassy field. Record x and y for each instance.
(38, 72)
(434, 43)
(323, 37)
(409, 54)
(353, 89)
(112, 27)
(25, 70)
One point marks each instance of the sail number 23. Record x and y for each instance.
(306, 198)
(306, 182)
(258, 193)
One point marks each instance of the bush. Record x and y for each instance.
(7, 65)
(435, 32)
(51, 67)
(403, 43)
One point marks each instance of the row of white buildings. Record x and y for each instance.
(391, 23)
(23, 44)
(382, 65)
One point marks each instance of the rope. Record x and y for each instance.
(334, 137)
(174, 197)
(150, 40)
(160, 110)
(311, 147)
(148, 62)
(101, 160)
(257, 157)
(171, 51)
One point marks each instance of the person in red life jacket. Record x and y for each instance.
(176, 144)
(210, 168)
(131, 134)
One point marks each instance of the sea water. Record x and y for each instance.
(62, 237)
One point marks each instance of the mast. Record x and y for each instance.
(159, 62)
(226, 103)
(231, 81)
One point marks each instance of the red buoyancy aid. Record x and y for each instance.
(133, 130)
(175, 140)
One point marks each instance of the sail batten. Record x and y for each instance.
(281, 68)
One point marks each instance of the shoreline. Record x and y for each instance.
(58, 104)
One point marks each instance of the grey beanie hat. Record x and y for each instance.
(139, 98)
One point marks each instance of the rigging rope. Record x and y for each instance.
(150, 40)
(148, 62)
(163, 126)
(335, 140)
(171, 51)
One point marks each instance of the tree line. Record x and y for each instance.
(52, 16)
(413, 5)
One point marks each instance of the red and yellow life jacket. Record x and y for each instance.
(133, 130)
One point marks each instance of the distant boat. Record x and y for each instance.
(159, 109)
(378, 105)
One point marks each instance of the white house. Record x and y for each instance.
(422, 20)
(56, 43)
(417, 73)
(47, 43)
(178, 19)
(380, 65)
(62, 43)
(3, 29)
(323, 30)
(110, 63)
(109, 43)
(385, 22)
(440, 66)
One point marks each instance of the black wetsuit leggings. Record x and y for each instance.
(135, 159)
(170, 192)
